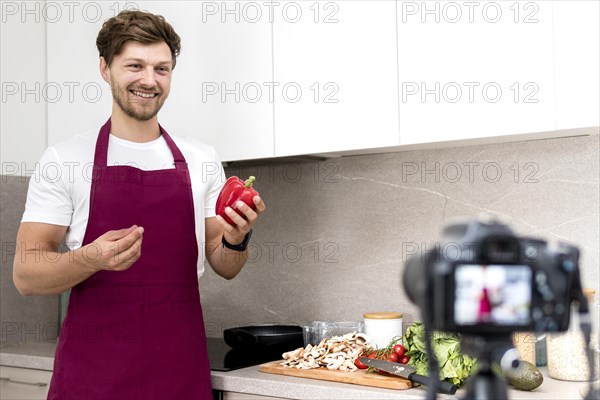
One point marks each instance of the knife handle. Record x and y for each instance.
(443, 386)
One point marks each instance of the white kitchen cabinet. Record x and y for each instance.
(23, 109)
(474, 69)
(577, 55)
(225, 83)
(77, 99)
(225, 56)
(335, 71)
(23, 383)
(263, 79)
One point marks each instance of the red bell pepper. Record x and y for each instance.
(236, 189)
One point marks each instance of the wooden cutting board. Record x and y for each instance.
(360, 377)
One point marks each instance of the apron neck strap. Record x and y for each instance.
(178, 157)
(101, 153)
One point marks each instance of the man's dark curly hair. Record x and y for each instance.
(138, 26)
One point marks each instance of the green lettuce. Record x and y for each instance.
(455, 367)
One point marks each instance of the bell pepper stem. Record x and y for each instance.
(249, 181)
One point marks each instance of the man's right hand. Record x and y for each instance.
(39, 268)
(114, 250)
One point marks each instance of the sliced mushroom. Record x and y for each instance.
(336, 363)
(338, 347)
(362, 338)
(293, 354)
(335, 353)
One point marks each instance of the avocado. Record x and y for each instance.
(497, 369)
(525, 377)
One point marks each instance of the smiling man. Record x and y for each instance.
(135, 226)
(136, 92)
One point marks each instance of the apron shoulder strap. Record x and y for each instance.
(101, 152)
(178, 157)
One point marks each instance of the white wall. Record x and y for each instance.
(23, 75)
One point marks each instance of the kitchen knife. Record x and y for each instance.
(408, 372)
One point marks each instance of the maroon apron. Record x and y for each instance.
(138, 333)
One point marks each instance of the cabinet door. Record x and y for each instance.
(474, 69)
(576, 50)
(23, 76)
(226, 83)
(226, 53)
(78, 99)
(335, 71)
(23, 383)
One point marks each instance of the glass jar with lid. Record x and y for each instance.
(566, 351)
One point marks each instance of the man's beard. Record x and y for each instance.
(127, 104)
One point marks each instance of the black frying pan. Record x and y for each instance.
(286, 337)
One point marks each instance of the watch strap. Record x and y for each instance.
(237, 247)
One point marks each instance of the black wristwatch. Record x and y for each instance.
(237, 247)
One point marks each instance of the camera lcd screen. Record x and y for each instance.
(492, 294)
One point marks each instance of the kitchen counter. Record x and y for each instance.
(36, 355)
(249, 380)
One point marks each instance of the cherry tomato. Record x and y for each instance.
(393, 357)
(359, 364)
(404, 360)
(399, 350)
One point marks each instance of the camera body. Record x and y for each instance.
(485, 280)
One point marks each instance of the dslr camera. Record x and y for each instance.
(485, 280)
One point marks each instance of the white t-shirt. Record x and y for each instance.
(59, 190)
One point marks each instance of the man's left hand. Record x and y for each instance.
(236, 234)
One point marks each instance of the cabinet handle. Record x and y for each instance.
(6, 379)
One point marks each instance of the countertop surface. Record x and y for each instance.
(36, 355)
(249, 380)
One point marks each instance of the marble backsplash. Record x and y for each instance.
(22, 319)
(333, 242)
